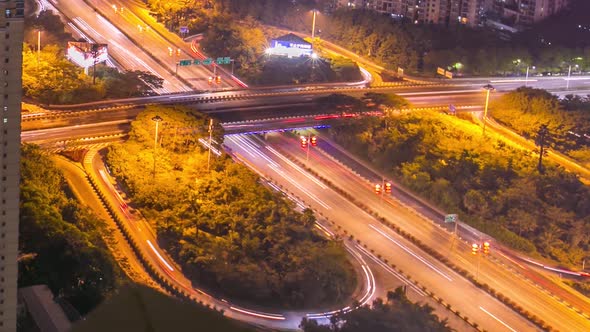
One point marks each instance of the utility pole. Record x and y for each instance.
(569, 75)
(210, 141)
(488, 88)
(94, 55)
(542, 135)
(157, 120)
(38, 47)
(313, 25)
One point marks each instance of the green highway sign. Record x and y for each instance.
(450, 218)
(220, 61)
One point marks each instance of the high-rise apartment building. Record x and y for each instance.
(469, 12)
(11, 41)
(520, 13)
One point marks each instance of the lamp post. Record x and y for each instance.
(569, 74)
(488, 88)
(157, 120)
(38, 46)
(569, 71)
(313, 24)
(210, 141)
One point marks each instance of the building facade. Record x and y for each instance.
(11, 26)
(521, 13)
(469, 12)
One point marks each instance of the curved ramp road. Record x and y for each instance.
(147, 242)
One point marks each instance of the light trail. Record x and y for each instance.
(300, 187)
(160, 256)
(258, 314)
(392, 271)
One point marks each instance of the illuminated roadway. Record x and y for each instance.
(150, 35)
(490, 314)
(120, 126)
(124, 51)
(556, 314)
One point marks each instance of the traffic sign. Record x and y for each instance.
(183, 30)
(450, 218)
(219, 61)
(452, 109)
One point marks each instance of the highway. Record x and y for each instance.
(508, 282)
(444, 282)
(98, 29)
(118, 126)
(159, 43)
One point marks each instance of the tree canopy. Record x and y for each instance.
(567, 120)
(227, 230)
(59, 240)
(493, 186)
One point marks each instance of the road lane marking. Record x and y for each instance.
(160, 256)
(420, 258)
(496, 318)
(300, 187)
(296, 167)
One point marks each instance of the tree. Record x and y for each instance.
(61, 239)
(226, 230)
(396, 314)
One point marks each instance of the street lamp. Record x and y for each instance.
(210, 142)
(313, 24)
(488, 88)
(569, 72)
(157, 120)
(526, 80)
(38, 45)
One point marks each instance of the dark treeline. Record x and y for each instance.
(60, 241)
(395, 314)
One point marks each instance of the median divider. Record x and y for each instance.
(466, 274)
(343, 234)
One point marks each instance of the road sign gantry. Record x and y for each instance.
(208, 61)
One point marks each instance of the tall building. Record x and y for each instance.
(425, 11)
(11, 25)
(512, 13)
(522, 13)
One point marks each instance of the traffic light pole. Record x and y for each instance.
(308, 144)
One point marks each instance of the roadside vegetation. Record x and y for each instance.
(397, 313)
(50, 78)
(60, 241)
(228, 231)
(418, 48)
(492, 185)
(568, 120)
